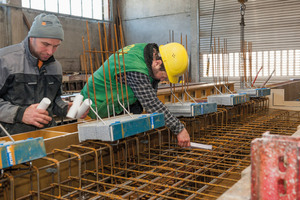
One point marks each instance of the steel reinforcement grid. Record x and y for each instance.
(150, 165)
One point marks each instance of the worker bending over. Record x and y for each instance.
(146, 65)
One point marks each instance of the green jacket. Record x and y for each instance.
(134, 60)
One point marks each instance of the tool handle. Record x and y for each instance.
(5, 131)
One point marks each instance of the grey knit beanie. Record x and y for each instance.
(46, 26)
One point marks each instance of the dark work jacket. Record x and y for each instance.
(22, 83)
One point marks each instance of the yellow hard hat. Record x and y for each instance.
(175, 59)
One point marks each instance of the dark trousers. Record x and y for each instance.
(135, 108)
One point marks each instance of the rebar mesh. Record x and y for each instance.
(151, 165)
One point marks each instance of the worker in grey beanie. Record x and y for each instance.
(28, 73)
(46, 26)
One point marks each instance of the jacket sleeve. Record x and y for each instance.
(146, 94)
(8, 111)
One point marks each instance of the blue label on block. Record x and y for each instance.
(9, 156)
(152, 122)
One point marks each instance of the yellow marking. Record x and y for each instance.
(126, 49)
(150, 122)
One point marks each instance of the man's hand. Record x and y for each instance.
(183, 138)
(70, 105)
(85, 114)
(36, 117)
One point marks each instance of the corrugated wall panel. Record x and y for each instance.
(271, 25)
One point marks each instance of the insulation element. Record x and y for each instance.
(14, 153)
(188, 109)
(228, 99)
(119, 127)
(257, 92)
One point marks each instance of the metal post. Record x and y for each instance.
(242, 24)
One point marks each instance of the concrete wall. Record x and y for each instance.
(152, 21)
(13, 30)
(3, 27)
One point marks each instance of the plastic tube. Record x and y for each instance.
(44, 104)
(83, 108)
(74, 108)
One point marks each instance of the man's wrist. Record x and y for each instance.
(179, 129)
(20, 113)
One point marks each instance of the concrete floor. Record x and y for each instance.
(240, 190)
